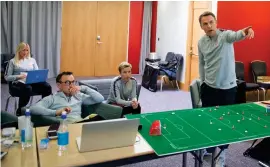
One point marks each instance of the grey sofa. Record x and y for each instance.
(8, 120)
(100, 85)
(106, 111)
(103, 86)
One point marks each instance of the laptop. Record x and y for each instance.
(36, 76)
(107, 134)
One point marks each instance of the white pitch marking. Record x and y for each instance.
(215, 119)
(187, 136)
(195, 129)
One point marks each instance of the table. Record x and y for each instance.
(72, 157)
(183, 131)
(264, 82)
(17, 157)
(263, 79)
(195, 129)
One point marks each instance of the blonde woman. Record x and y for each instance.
(123, 91)
(17, 69)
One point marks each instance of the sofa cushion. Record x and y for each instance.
(106, 111)
(102, 85)
(8, 120)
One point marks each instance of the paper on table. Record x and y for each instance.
(86, 118)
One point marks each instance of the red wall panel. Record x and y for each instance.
(135, 34)
(237, 15)
(154, 26)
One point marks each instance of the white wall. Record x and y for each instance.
(172, 24)
(1, 30)
(214, 7)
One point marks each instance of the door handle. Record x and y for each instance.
(192, 54)
(99, 42)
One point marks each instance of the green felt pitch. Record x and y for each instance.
(193, 129)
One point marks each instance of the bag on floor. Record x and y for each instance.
(260, 152)
(149, 79)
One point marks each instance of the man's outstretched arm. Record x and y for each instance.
(234, 36)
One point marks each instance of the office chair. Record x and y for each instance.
(239, 70)
(171, 68)
(195, 93)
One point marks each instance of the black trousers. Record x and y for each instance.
(130, 110)
(25, 91)
(217, 97)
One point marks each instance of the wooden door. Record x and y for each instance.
(195, 33)
(78, 37)
(112, 28)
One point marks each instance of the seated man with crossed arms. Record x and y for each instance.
(69, 98)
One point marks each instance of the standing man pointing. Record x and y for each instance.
(217, 64)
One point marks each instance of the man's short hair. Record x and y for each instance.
(207, 13)
(59, 76)
(123, 65)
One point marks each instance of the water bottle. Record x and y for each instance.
(28, 130)
(62, 134)
(23, 138)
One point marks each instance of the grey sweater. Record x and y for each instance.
(49, 104)
(24, 65)
(122, 93)
(216, 59)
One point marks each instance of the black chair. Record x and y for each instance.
(259, 68)
(4, 62)
(241, 92)
(14, 92)
(239, 70)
